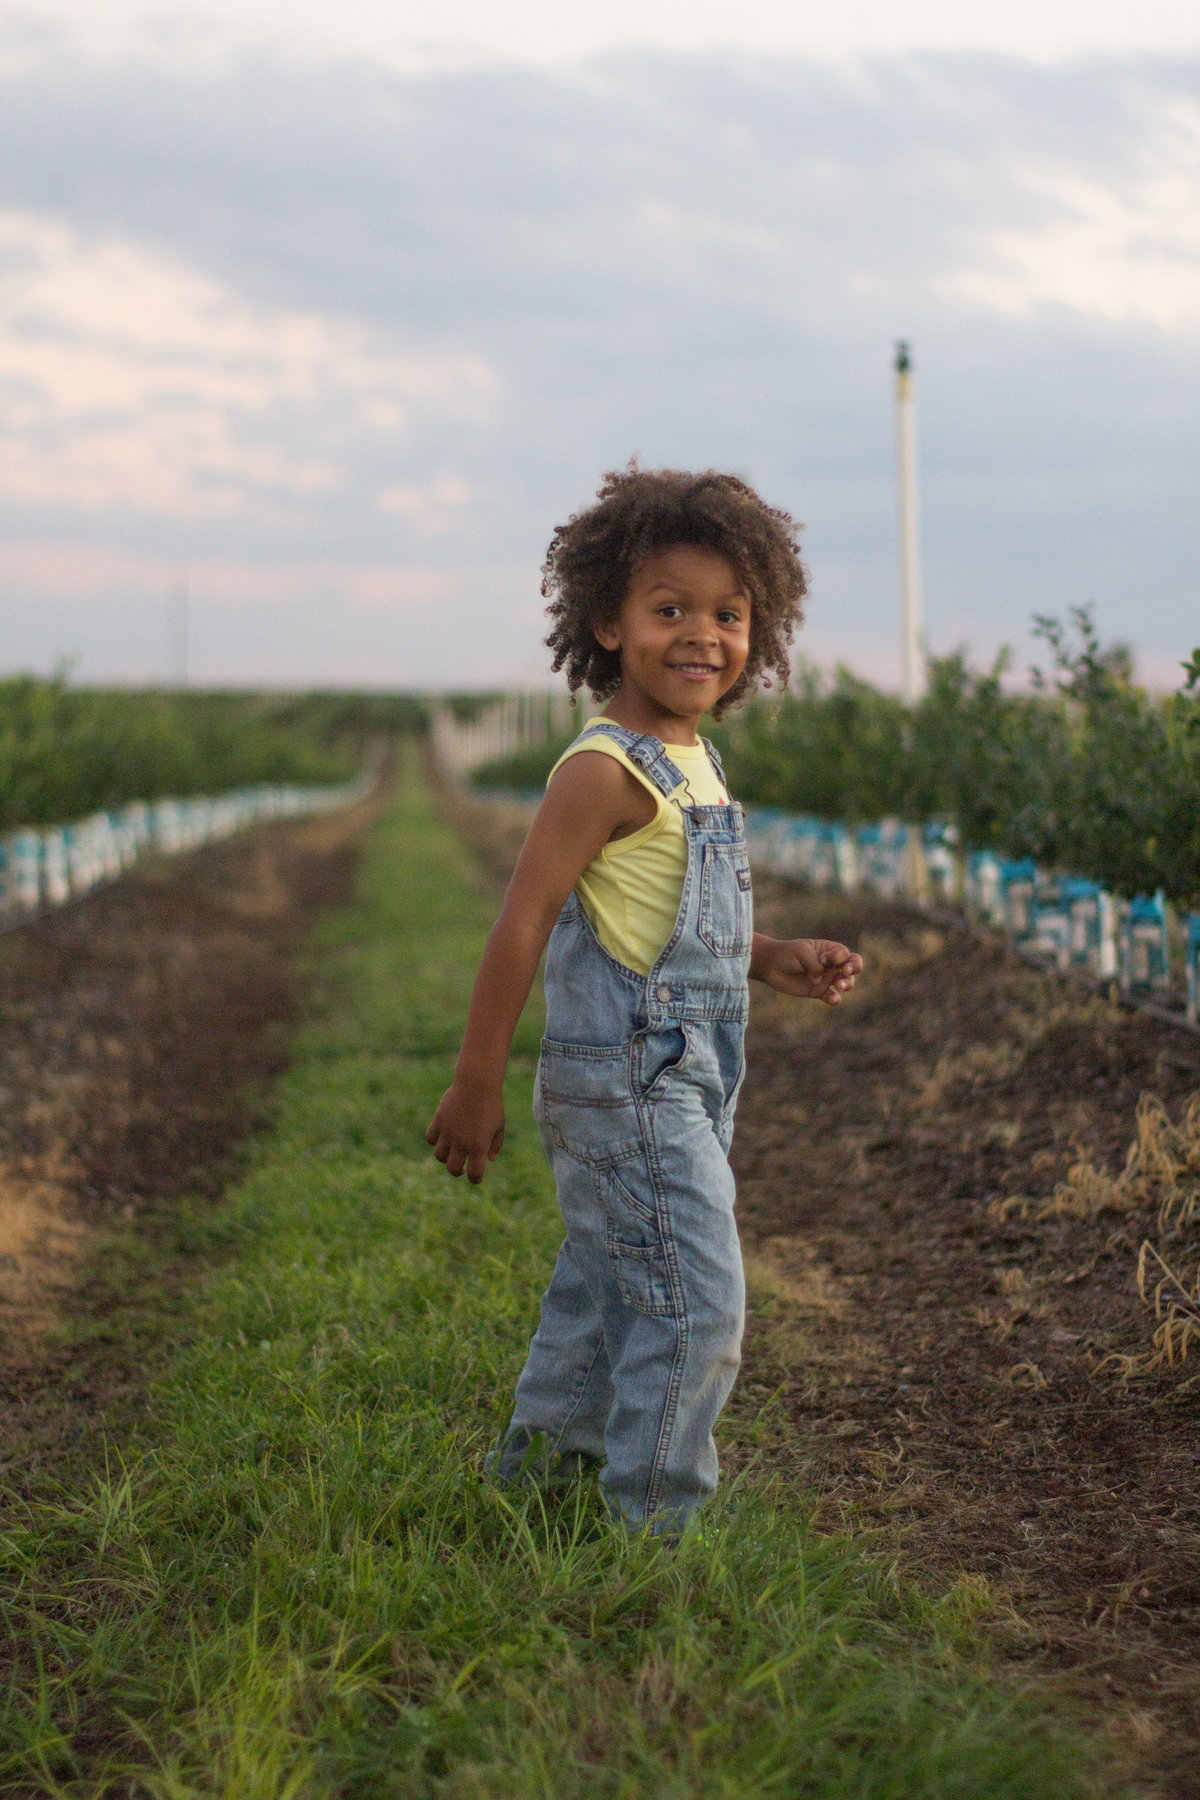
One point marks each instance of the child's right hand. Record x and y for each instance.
(467, 1129)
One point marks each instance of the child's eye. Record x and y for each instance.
(671, 611)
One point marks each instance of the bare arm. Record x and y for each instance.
(589, 801)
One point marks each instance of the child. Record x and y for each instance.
(670, 597)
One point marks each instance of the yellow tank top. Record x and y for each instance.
(631, 891)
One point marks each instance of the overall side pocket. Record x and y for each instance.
(659, 1052)
(584, 1101)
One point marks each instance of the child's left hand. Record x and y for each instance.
(809, 968)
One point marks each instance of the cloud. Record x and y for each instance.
(404, 35)
(128, 378)
(1124, 251)
(337, 317)
(433, 507)
(83, 571)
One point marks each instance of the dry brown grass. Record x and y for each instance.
(41, 1245)
(1034, 1013)
(1176, 1304)
(1161, 1171)
(811, 1331)
(978, 1064)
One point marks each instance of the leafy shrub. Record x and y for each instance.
(65, 752)
(1087, 771)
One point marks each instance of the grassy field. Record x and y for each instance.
(288, 1581)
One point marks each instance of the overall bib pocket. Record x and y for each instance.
(725, 921)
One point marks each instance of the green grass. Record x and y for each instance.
(292, 1583)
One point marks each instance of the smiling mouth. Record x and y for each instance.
(700, 670)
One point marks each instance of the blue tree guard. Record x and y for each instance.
(984, 896)
(1091, 942)
(22, 871)
(1193, 968)
(825, 853)
(61, 862)
(1145, 946)
(799, 851)
(883, 857)
(1051, 920)
(1069, 918)
(845, 860)
(867, 839)
(941, 864)
(1018, 887)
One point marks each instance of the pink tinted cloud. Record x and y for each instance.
(132, 379)
(82, 571)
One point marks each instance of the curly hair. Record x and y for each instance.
(593, 557)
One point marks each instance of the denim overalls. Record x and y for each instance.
(641, 1326)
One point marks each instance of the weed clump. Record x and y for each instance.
(1161, 1170)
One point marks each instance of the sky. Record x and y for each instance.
(328, 318)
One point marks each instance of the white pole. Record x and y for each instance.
(906, 487)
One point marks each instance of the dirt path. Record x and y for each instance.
(937, 1362)
(138, 1031)
(939, 1358)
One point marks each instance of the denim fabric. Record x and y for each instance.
(641, 1326)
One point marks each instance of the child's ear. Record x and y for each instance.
(607, 636)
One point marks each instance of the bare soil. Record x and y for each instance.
(139, 1032)
(936, 1362)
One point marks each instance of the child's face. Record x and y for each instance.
(684, 629)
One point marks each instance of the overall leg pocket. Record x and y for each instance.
(634, 1246)
(641, 1276)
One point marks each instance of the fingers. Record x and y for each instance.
(459, 1136)
(809, 955)
(841, 961)
(442, 1149)
(834, 955)
(446, 1150)
(464, 1158)
(840, 968)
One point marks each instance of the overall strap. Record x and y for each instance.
(647, 752)
(716, 762)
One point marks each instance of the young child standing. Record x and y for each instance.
(670, 597)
